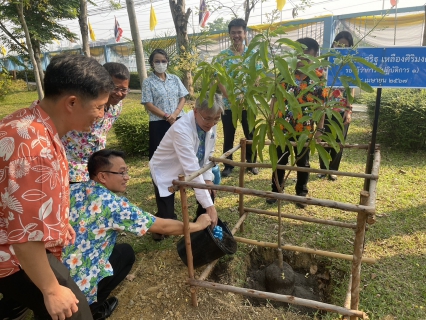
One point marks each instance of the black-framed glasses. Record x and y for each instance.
(123, 174)
(215, 121)
(122, 90)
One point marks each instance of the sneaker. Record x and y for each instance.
(106, 309)
(255, 171)
(322, 176)
(226, 172)
(271, 201)
(332, 177)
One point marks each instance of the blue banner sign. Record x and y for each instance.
(404, 67)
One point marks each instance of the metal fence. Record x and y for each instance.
(370, 29)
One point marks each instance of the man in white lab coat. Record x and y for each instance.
(185, 148)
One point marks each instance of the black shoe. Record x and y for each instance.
(299, 204)
(226, 172)
(322, 176)
(271, 201)
(332, 177)
(255, 171)
(106, 309)
(157, 236)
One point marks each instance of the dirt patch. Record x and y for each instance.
(159, 291)
(301, 276)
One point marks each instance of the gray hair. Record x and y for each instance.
(216, 107)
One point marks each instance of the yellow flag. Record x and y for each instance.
(3, 50)
(281, 4)
(152, 19)
(92, 33)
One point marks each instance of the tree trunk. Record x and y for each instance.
(82, 20)
(37, 55)
(180, 19)
(20, 8)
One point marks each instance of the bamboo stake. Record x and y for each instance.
(241, 180)
(301, 218)
(373, 185)
(347, 303)
(295, 168)
(280, 196)
(302, 249)
(358, 250)
(186, 233)
(278, 297)
(212, 264)
(280, 253)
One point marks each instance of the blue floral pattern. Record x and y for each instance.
(97, 216)
(164, 95)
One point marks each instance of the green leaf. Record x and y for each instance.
(323, 154)
(283, 68)
(262, 135)
(273, 156)
(368, 64)
(264, 53)
(212, 92)
(355, 73)
(301, 143)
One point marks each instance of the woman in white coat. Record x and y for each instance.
(185, 148)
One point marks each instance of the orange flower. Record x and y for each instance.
(280, 114)
(303, 86)
(309, 97)
(299, 127)
(308, 128)
(325, 92)
(283, 85)
(300, 99)
(299, 116)
(319, 72)
(281, 127)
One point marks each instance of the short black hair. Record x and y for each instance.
(153, 53)
(311, 44)
(344, 35)
(117, 70)
(237, 23)
(78, 75)
(99, 161)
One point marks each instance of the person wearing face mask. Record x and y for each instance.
(163, 95)
(341, 104)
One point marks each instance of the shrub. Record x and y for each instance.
(134, 82)
(132, 131)
(402, 120)
(5, 83)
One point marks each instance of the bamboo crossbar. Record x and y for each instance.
(325, 144)
(294, 168)
(303, 249)
(278, 297)
(281, 196)
(301, 218)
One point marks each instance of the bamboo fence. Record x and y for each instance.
(365, 215)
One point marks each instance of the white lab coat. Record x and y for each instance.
(177, 154)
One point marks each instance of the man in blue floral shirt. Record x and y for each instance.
(97, 264)
(237, 29)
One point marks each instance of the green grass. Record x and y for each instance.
(395, 287)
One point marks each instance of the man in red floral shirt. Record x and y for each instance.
(34, 189)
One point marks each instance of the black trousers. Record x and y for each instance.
(157, 130)
(122, 259)
(165, 205)
(19, 289)
(302, 177)
(229, 135)
(336, 157)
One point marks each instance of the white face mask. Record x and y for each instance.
(160, 67)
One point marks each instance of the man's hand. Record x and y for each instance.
(60, 303)
(171, 119)
(70, 235)
(347, 117)
(211, 183)
(211, 211)
(204, 220)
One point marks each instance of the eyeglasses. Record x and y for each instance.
(122, 90)
(215, 121)
(160, 61)
(123, 174)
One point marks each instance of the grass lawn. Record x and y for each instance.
(394, 288)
